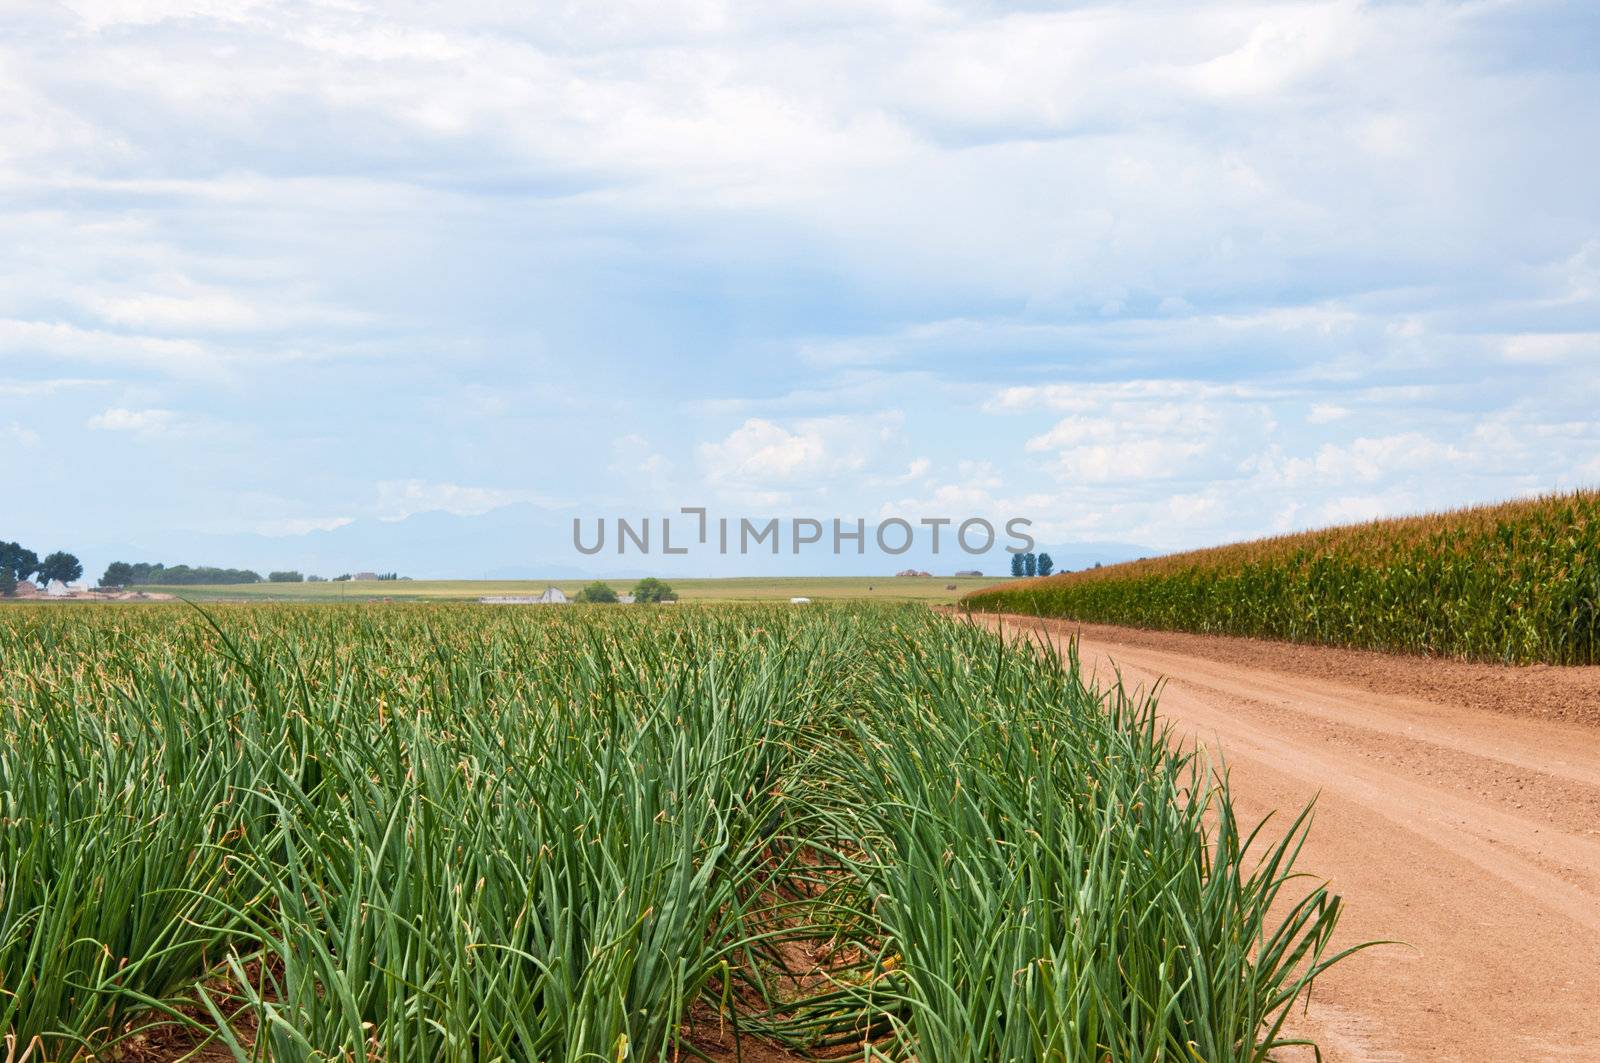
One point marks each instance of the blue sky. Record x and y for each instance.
(283, 281)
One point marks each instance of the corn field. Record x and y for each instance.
(1515, 583)
(443, 833)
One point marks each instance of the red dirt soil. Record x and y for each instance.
(1457, 810)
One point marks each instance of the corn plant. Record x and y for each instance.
(1516, 583)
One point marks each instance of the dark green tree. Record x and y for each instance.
(1046, 565)
(60, 565)
(8, 583)
(651, 590)
(598, 593)
(1016, 565)
(1030, 565)
(21, 561)
(285, 577)
(118, 574)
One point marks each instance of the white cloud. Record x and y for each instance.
(762, 461)
(204, 312)
(1140, 430)
(1370, 458)
(1288, 45)
(149, 423)
(22, 435)
(42, 388)
(175, 303)
(59, 341)
(1554, 347)
(916, 470)
(1089, 248)
(1141, 459)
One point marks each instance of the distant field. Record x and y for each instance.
(757, 589)
(1517, 582)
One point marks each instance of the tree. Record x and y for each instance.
(8, 583)
(651, 590)
(598, 593)
(118, 574)
(1016, 565)
(1030, 565)
(60, 565)
(285, 577)
(1046, 565)
(21, 561)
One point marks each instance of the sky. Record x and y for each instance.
(346, 283)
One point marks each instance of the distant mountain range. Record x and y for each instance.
(524, 541)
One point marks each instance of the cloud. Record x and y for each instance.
(44, 388)
(22, 435)
(916, 470)
(762, 461)
(1285, 48)
(759, 452)
(206, 312)
(1140, 430)
(1554, 347)
(56, 342)
(150, 423)
(1370, 458)
(176, 304)
(1078, 258)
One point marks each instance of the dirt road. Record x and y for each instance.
(1458, 809)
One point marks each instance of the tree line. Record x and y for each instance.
(18, 563)
(1032, 565)
(146, 573)
(648, 591)
(126, 574)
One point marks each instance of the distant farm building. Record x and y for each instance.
(912, 572)
(56, 589)
(365, 576)
(26, 589)
(969, 572)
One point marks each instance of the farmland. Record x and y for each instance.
(734, 589)
(1515, 583)
(432, 832)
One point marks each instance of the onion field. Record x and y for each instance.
(425, 832)
(1517, 583)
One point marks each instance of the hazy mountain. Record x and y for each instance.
(530, 542)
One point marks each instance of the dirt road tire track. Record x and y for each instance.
(1458, 810)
